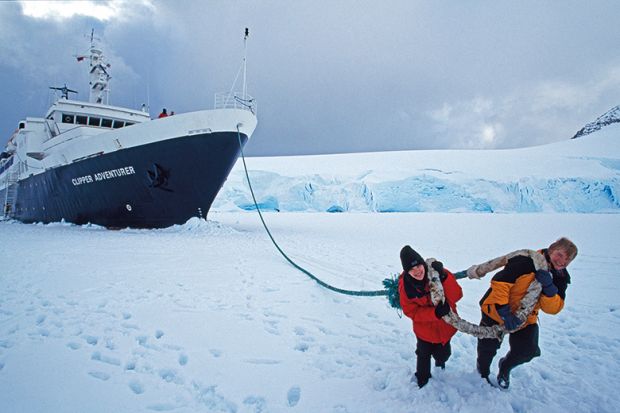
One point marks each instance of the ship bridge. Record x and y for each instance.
(71, 113)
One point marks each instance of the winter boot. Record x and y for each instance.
(503, 377)
(440, 364)
(421, 380)
(484, 373)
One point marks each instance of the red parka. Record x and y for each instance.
(421, 311)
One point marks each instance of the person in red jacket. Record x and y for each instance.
(432, 333)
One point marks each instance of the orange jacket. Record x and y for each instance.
(421, 311)
(510, 285)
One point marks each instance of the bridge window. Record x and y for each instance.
(106, 123)
(66, 118)
(117, 124)
(81, 120)
(94, 121)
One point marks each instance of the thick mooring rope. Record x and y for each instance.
(528, 302)
(436, 288)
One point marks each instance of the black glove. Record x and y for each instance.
(548, 287)
(438, 266)
(511, 321)
(442, 309)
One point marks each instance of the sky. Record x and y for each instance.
(331, 77)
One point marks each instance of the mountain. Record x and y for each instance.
(611, 116)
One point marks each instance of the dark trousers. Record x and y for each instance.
(425, 350)
(523, 348)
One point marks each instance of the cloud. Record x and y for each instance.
(61, 10)
(542, 112)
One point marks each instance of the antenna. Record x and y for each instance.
(245, 52)
(64, 91)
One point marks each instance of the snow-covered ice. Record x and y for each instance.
(579, 175)
(207, 317)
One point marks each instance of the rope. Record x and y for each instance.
(436, 288)
(286, 257)
(526, 306)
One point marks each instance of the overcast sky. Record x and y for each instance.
(333, 76)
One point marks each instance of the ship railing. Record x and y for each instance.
(235, 100)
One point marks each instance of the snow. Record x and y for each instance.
(207, 317)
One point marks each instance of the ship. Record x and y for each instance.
(95, 163)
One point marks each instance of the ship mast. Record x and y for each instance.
(99, 77)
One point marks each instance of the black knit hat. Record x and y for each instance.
(410, 258)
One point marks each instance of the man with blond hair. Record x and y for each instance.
(503, 298)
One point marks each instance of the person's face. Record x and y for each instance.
(417, 272)
(559, 259)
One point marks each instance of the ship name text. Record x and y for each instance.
(104, 175)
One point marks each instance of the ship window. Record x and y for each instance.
(94, 121)
(66, 118)
(106, 123)
(81, 120)
(128, 123)
(118, 124)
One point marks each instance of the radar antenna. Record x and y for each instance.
(64, 91)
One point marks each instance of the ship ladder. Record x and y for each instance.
(10, 195)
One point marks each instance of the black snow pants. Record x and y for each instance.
(523, 348)
(425, 350)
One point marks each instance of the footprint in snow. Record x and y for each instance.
(136, 387)
(255, 402)
(293, 395)
(73, 345)
(92, 340)
(97, 356)
(159, 334)
(182, 359)
(6, 344)
(170, 376)
(99, 375)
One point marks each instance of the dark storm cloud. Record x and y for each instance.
(342, 76)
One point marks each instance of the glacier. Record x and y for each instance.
(573, 176)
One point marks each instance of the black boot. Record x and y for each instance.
(503, 377)
(484, 372)
(422, 380)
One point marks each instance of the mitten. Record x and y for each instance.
(511, 321)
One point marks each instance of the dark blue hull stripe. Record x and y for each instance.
(150, 186)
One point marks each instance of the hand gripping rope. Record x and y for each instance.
(436, 288)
